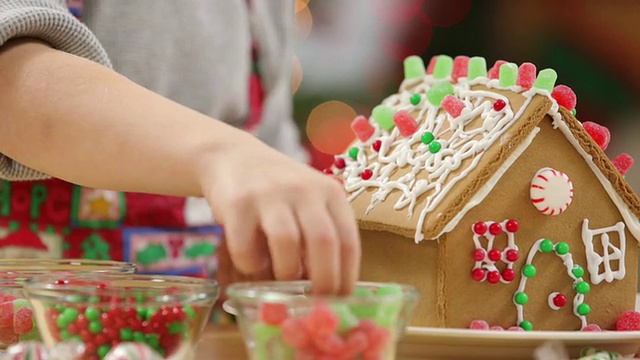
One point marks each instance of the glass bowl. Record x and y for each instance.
(13, 304)
(167, 313)
(283, 320)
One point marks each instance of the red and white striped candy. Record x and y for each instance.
(551, 191)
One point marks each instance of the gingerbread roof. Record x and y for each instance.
(434, 150)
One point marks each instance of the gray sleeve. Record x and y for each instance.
(51, 22)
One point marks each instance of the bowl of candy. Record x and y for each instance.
(156, 317)
(16, 315)
(284, 320)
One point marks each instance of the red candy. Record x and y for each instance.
(564, 96)
(494, 72)
(515, 328)
(7, 336)
(478, 274)
(377, 145)
(559, 300)
(23, 321)
(499, 105)
(339, 163)
(6, 314)
(496, 328)
(512, 226)
(508, 274)
(479, 325)
(512, 255)
(452, 105)
(628, 321)
(493, 277)
(327, 171)
(526, 75)
(460, 67)
(322, 321)
(592, 327)
(495, 255)
(406, 124)
(272, 313)
(478, 254)
(362, 128)
(366, 174)
(432, 64)
(480, 228)
(599, 133)
(495, 229)
(623, 163)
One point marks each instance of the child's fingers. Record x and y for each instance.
(349, 239)
(283, 236)
(240, 228)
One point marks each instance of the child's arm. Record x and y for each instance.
(79, 121)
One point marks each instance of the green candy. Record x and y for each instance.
(414, 67)
(126, 334)
(583, 287)
(191, 313)
(434, 147)
(92, 313)
(521, 298)
(65, 335)
(138, 336)
(152, 339)
(438, 91)
(389, 289)
(362, 292)
(103, 350)
(67, 316)
(529, 270)
(526, 325)
(415, 99)
(177, 327)
(389, 311)
(353, 152)
(95, 326)
(562, 248)
(262, 335)
(546, 80)
(577, 271)
(508, 74)
(583, 309)
(443, 67)
(427, 137)
(383, 115)
(546, 245)
(366, 310)
(477, 68)
(346, 319)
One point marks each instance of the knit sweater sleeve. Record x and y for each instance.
(51, 22)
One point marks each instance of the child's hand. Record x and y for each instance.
(280, 213)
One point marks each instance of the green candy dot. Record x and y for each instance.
(546, 80)
(583, 309)
(92, 313)
(353, 152)
(65, 335)
(477, 67)
(508, 74)
(577, 271)
(94, 299)
(383, 115)
(103, 350)
(138, 336)
(415, 99)
(434, 147)
(152, 339)
(191, 313)
(67, 316)
(521, 298)
(95, 327)
(526, 325)
(143, 312)
(438, 91)
(414, 67)
(583, 287)
(126, 334)
(427, 137)
(529, 270)
(177, 327)
(546, 245)
(574, 112)
(443, 67)
(562, 248)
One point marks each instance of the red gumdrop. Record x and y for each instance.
(600, 134)
(592, 327)
(356, 343)
(294, 333)
(515, 328)
(6, 297)
(272, 313)
(460, 67)
(494, 72)
(526, 75)
(322, 321)
(406, 124)
(564, 96)
(330, 345)
(496, 328)
(362, 128)
(379, 337)
(628, 321)
(479, 325)
(6, 314)
(452, 105)
(623, 162)
(432, 64)
(7, 336)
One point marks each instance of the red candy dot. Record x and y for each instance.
(564, 96)
(512, 226)
(478, 255)
(327, 171)
(339, 163)
(495, 255)
(499, 105)
(598, 133)
(508, 274)
(512, 255)
(480, 228)
(495, 229)
(493, 277)
(366, 174)
(629, 321)
(559, 300)
(376, 145)
(623, 163)
(478, 274)
(272, 313)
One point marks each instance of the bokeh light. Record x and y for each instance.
(296, 74)
(396, 11)
(443, 13)
(301, 5)
(413, 41)
(304, 23)
(329, 127)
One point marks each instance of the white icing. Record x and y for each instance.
(552, 296)
(487, 264)
(551, 191)
(610, 252)
(567, 260)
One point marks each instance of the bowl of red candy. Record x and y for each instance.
(164, 313)
(285, 321)
(16, 315)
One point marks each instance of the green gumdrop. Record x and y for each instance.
(383, 115)
(438, 91)
(546, 80)
(33, 335)
(346, 318)
(362, 292)
(20, 303)
(414, 67)
(388, 313)
(262, 334)
(508, 74)
(443, 67)
(477, 68)
(389, 289)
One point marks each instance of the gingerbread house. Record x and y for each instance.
(480, 187)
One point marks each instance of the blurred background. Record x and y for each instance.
(349, 57)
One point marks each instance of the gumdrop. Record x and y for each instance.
(347, 319)
(383, 115)
(379, 337)
(294, 333)
(272, 313)
(331, 344)
(592, 327)
(496, 328)
(460, 67)
(479, 325)
(7, 336)
(508, 74)
(443, 67)
(515, 328)
(356, 343)
(546, 80)
(23, 321)
(438, 91)
(6, 314)
(564, 96)
(6, 297)
(477, 68)
(526, 75)
(494, 72)
(362, 128)
(453, 105)
(600, 134)
(623, 162)
(432, 65)
(322, 321)
(406, 124)
(413, 67)
(628, 321)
